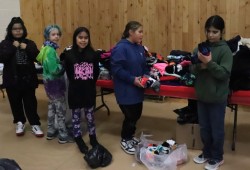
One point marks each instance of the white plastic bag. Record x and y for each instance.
(162, 161)
(144, 142)
(180, 154)
(157, 162)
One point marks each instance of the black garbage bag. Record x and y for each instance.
(98, 156)
(8, 164)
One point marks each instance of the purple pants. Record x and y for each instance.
(76, 121)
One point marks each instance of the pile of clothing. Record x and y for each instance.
(156, 155)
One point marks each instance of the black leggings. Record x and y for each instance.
(132, 114)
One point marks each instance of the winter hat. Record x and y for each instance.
(204, 48)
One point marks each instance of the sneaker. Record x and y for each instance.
(36, 129)
(20, 129)
(127, 146)
(51, 136)
(200, 159)
(135, 141)
(213, 164)
(66, 139)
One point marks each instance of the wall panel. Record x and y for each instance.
(168, 24)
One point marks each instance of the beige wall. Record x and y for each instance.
(8, 9)
(168, 24)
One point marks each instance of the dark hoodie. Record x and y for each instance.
(212, 83)
(82, 70)
(127, 62)
(19, 68)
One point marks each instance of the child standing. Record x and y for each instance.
(128, 64)
(54, 84)
(19, 76)
(81, 64)
(212, 89)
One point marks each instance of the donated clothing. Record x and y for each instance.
(82, 70)
(53, 79)
(212, 83)
(127, 62)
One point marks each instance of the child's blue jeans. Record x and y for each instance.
(211, 120)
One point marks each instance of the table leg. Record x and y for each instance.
(103, 102)
(235, 109)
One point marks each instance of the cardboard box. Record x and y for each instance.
(190, 135)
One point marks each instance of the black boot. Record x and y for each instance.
(93, 140)
(81, 145)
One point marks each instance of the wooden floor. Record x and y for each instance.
(33, 153)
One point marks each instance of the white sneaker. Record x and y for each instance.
(200, 159)
(127, 146)
(135, 141)
(36, 129)
(213, 164)
(20, 128)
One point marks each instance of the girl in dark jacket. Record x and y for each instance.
(128, 64)
(19, 76)
(81, 65)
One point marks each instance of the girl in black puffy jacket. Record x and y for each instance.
(19, 76)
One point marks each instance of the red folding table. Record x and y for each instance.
(183, 92)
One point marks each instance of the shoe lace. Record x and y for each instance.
(134, 141)
(36, 128)
(19, 126)
(129, 144)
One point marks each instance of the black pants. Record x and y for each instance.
(23, 101)
(132, 114)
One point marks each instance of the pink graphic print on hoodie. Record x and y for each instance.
(83, 71)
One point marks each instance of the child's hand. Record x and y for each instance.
(23, 46)
(204, 58)
(16, 43)
(137, 82)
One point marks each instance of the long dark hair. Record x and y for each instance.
(131, 25)
(15, 20)
(78, 31)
